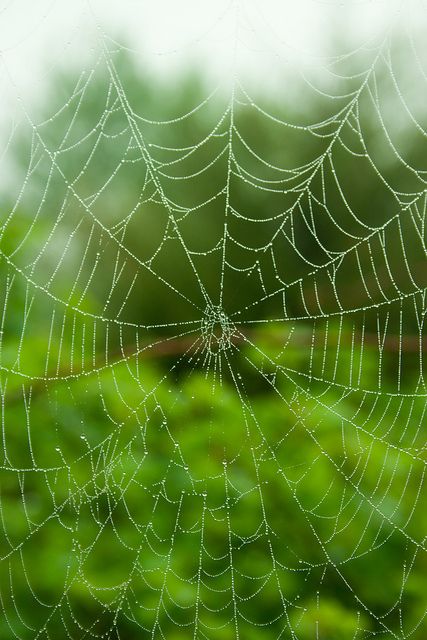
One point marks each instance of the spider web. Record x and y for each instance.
(213, 382)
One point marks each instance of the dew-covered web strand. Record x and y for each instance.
(328, 562)
(91, 452)
(218, 348)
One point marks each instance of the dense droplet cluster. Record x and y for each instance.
(233, 497)
(217, 330)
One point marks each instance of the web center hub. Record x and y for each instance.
(217, 329)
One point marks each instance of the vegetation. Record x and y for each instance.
(142, 473)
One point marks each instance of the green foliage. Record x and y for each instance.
(125, 442)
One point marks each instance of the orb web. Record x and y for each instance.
(212, 353)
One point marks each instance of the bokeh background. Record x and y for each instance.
(168, 471)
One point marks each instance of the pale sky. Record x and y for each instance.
(38, 34)
(260, 41)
